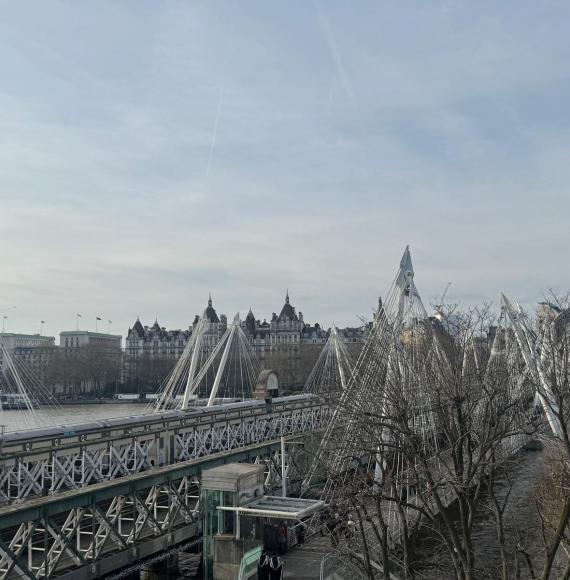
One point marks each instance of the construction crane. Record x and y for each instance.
(439, 307)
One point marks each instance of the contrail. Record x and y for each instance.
(334, 50)
(220, 99)
(215, 129)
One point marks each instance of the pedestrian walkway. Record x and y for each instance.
(304, 563)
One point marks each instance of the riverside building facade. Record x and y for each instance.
(32, 349)
(286, 344)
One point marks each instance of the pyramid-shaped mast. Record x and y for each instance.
(333, 369)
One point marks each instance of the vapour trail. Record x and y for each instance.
(215, 128)
(220, 100)
(334, 50)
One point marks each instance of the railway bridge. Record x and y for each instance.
(88, 499)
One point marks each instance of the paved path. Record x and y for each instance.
(304, 563)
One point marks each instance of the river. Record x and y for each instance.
(522, 526)
(18, 420)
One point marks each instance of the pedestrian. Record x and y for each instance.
(271, 540)
(300, 534)
(282, 538)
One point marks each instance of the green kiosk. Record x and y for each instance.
(235, 511)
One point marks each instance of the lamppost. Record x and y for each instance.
(284, 466)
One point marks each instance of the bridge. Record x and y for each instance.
(90, 499)
(94, 497)
(50, 460)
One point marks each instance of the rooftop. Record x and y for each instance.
(89, 333)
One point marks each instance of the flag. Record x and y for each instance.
(98, 318)
(110, 321)
(43, 321)
(78, 315)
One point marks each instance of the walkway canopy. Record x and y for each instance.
(285, 508)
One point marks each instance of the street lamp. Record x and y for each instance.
(283, 467)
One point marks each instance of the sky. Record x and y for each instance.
(153, 152)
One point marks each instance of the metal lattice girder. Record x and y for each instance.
(93, 530)
(44, 469)
(200, 442)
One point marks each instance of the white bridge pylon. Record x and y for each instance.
(229, 368)
(537, 356)
(333, 369)
(23, 388)
(399, 325)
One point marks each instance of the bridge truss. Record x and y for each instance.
(89, 532)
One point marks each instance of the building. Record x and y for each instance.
(87, 364)
(290, 346)
(285, 344)
(74, 339)
(32, 349)
(150, 352)
(157, 342)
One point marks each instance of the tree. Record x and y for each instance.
(551, 375)
(428, 425)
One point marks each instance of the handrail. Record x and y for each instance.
(248, 564)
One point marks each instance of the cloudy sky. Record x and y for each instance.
(151, 152)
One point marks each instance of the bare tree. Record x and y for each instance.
(552, 382)
(445, 420)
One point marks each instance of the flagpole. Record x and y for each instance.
(41, 327)
(96, 319)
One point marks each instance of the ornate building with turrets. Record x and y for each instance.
(286, 344)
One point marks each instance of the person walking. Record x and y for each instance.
(300, 534)
(283, 538)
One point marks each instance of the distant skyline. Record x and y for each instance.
(151, 152)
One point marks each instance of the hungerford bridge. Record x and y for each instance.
(86, 501)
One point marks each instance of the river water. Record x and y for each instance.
(18, 420)
(522, 527)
